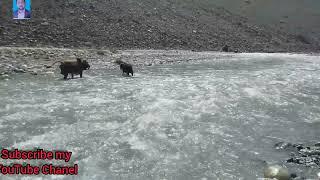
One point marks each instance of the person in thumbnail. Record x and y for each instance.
(22, 12)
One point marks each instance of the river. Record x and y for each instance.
(210, 119)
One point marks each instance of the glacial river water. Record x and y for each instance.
(212, 119)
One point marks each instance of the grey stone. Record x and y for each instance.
(34, 73)
(17, 70)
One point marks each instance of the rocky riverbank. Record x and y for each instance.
(306, 155)
(300, 155)
(33, 60)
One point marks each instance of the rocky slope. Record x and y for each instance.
(142, 24)
(295, 16)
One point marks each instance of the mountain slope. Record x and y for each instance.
(295, 16)
(127, 24)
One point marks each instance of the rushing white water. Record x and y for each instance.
(212, 119)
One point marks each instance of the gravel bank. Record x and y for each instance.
(33, 60)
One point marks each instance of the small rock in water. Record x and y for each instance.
(33, 73)
(293, 175)
(293, 160)
(4, 75)
(283, 145)
(299, 147)
(17, 70)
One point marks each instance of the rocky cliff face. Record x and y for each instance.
(142, 24)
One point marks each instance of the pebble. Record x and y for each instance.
(33, 73)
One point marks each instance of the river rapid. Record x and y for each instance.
(218, 118)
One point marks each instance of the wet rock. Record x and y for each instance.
(301, 154)
(24, 66)
(299, 147)
(91, 7)
(310, 152)
(101, 53)
(17, 70)
(283, 145)
(293, 175)
(3, 73)
(4, 77)
(225, 48)
(33, 73)
(293, 160)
